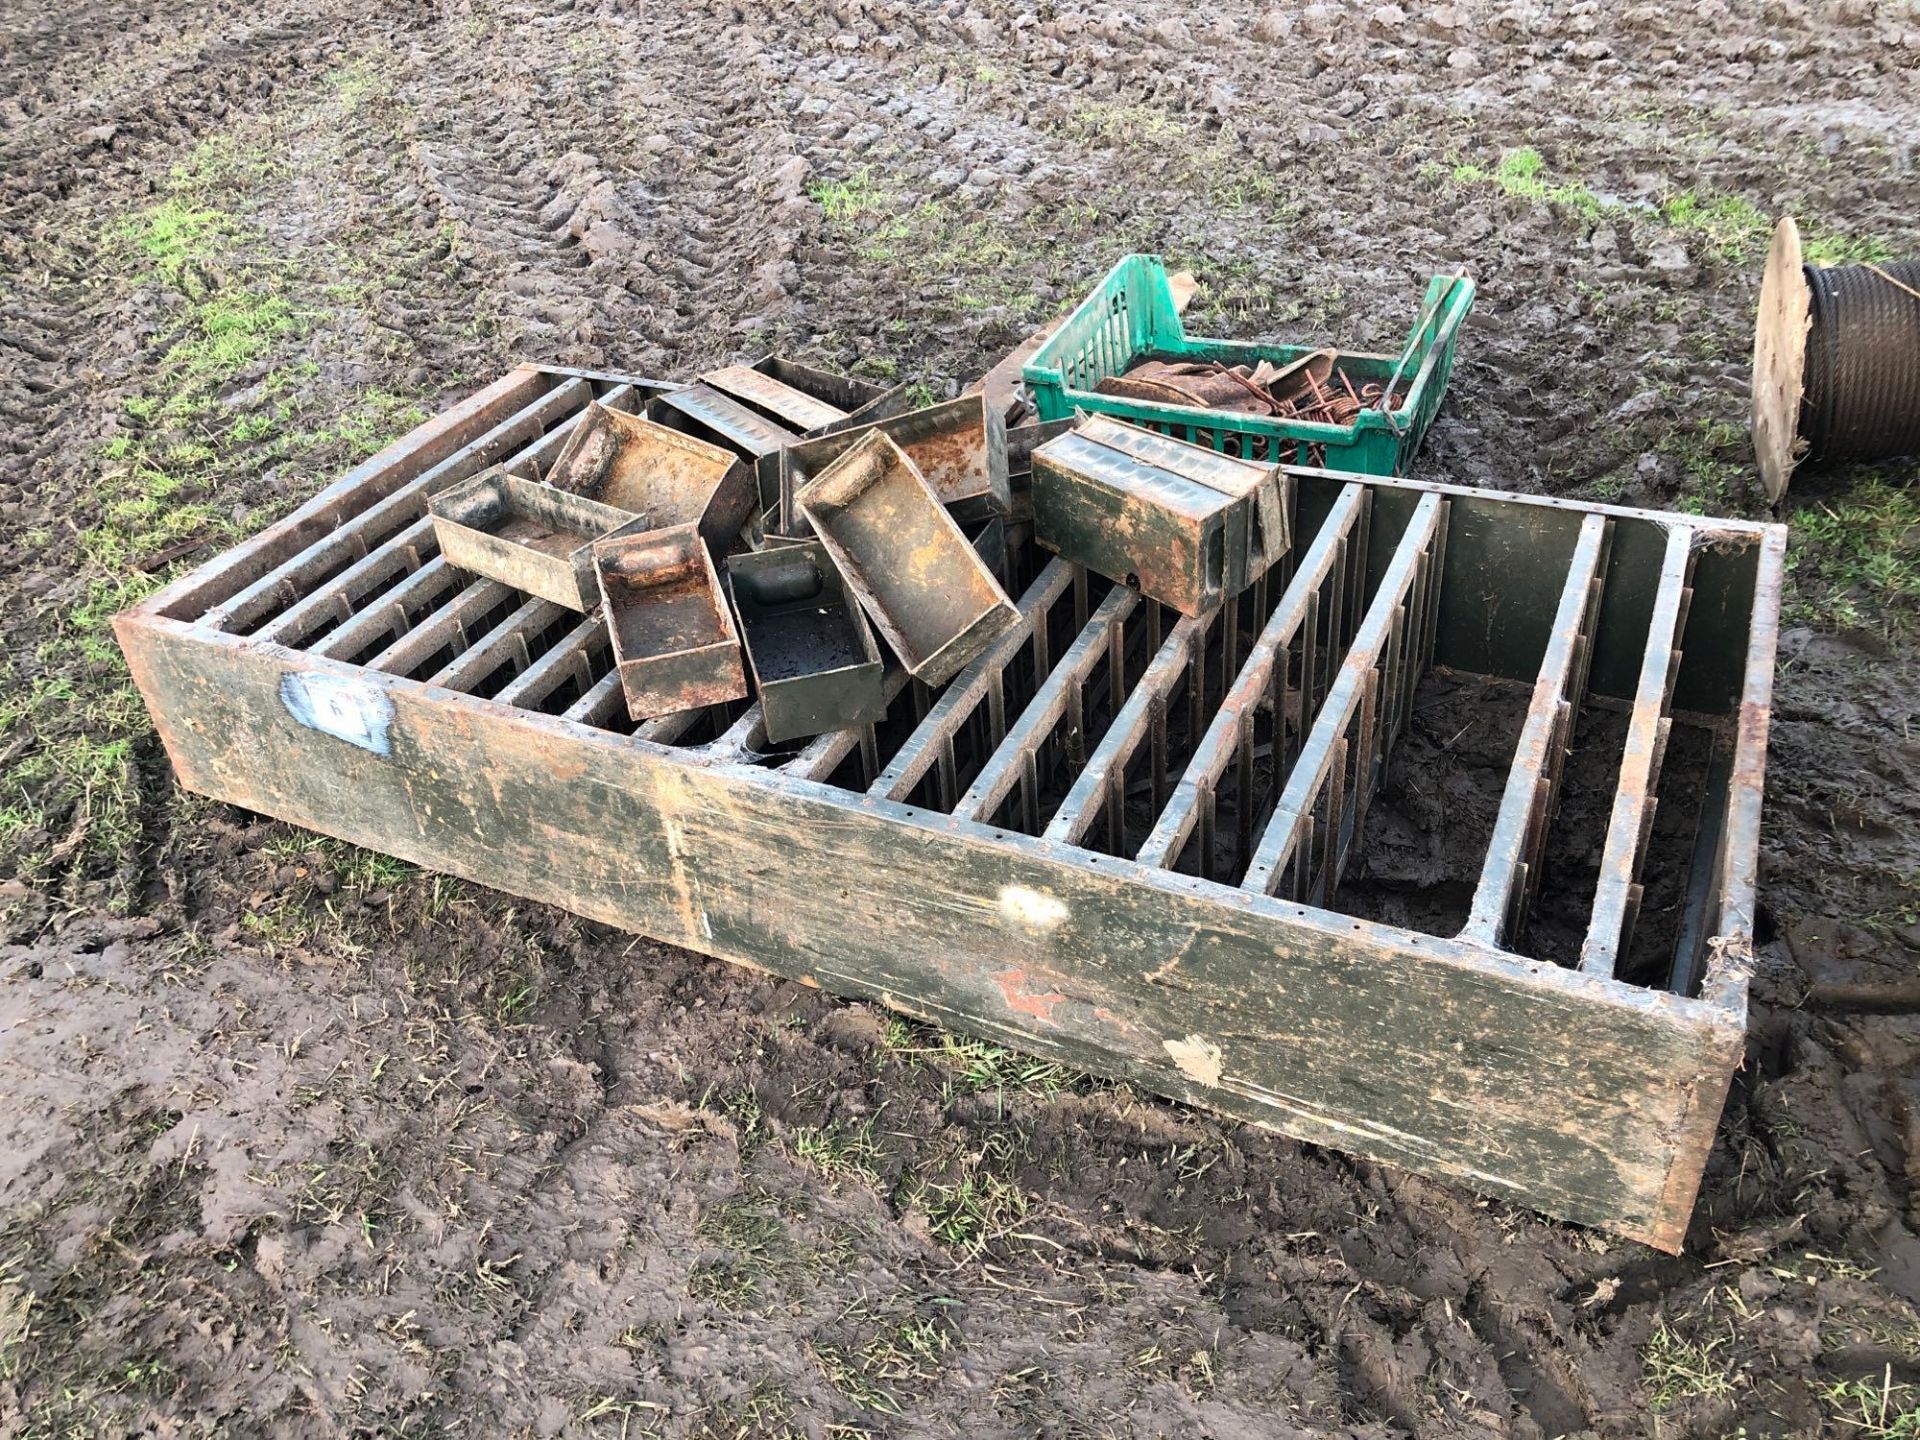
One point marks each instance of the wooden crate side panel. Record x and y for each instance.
(1581, 1099)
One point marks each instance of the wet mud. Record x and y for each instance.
(298, 1141)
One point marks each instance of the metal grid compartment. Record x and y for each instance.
(1136, 842)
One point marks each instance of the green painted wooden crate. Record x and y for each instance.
(1131, 315)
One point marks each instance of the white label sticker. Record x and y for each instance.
(340, 706)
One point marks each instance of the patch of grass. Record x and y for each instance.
(838, 1151)
(1900, 1334)
(354, 867)
(1882, 1411)
(768, 1413)
(844, 1373)
(280, 924)
(1241, 188)
(1846, 249)
(974, 1066)
(1735, 227)
(724, 1284)
(1678, 1369)
(375, 418)
(223, 335)
(746, 1225)
(1523, 172)
(980, 1208)
(909, 1352)
(1122, 123)
(176, 234)
(1732, 227)
(1714, 461)
(842, 200)
(1853, 558)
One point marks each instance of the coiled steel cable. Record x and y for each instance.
(1862, 388)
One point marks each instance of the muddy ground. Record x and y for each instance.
(299, 1141)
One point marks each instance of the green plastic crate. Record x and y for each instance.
(1131, 316)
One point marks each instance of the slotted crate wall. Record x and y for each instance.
(1121, 838)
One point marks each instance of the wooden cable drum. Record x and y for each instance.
(1836, 362)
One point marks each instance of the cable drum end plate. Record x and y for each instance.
(1779, 360)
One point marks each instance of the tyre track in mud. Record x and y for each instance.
(60, 188)
(615, 222)
(169, 97)
(606, 187)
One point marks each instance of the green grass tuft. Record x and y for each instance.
(842, 200)
(1885, 1410)
(1854, 558)
(839, 1152)
(1679, 1369)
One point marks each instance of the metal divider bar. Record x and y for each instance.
(511, 639)
(605, 698)
(1724, 982)
(1101, 786)
(1512, 865)
(748, 733)
(290, 581)
(599, 702)
(565, 660)
(339, 597)
(445, 626)
(393, 612)
(1616, 901)
(1060, 695)
(1265, 677)
(933, 737)
(1325, 800)
(405, 551)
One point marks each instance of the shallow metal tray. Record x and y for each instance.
(675, 645)
(905, 558)
(528, 535)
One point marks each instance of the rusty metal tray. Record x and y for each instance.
(814, 661)
(1183, 525)
(801, 396)
(528, 535)
(755, 410)
(906, 558)
(671, 477)
(675, 646)
(959, 447)
(1127, 840)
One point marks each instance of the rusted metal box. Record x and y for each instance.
(1146, 845)
(807, 398)
(670, 477)
(906, 559)
(814, 662)
(958, 446)
(674, 642)
(528, 535)
(1185, 526)
(757, 409)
